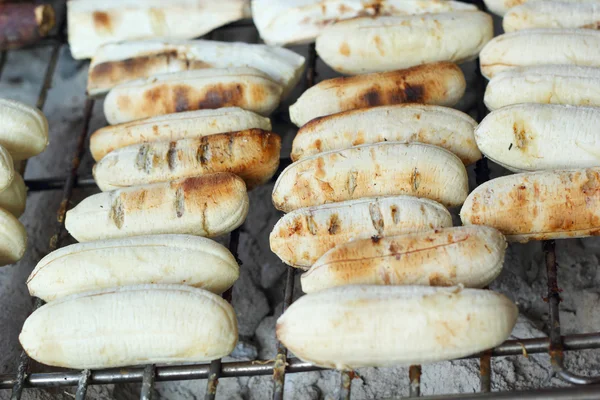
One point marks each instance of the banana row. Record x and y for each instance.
(144, 283)
(543, 93)
(366, 218)
(24, 134)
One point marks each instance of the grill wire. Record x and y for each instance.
(554, 345)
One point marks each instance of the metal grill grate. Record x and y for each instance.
(282, 365)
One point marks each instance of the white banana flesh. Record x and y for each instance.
(544, 84)
(13, 198)
(161, 259)
(23, 129)
(209, 205)
(145, 324)
(302, 236)
(383, 169)
(7, 169)
(524, 137)
(200, 89)
(540, 47)
(383, 43)
(439, 126)
(13, 238)
(92, 23)
(172, 127)
(467, 255)
(552, 14)
(538, 205)
(283, 22)
(438, 83)
(112, 62)
(377, 326)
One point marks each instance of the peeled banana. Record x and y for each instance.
(112, 62)
(552, 14)
(92, 23)
(546, 84)
(282, 22)
(253, 155)
(210, 88)
(376, 326)
(23, 129)
(209, 205)
(467, 255)
(13, 238)
(7, 169)
(440, 126)
(131, 325)
(383, 169)
(166, 259)
(538, 205)
(532, 137)
(540, 47)
(438, 83)
(13, 198)
(172, 127)
(302, 236)
(383, 43)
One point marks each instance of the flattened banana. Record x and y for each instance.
(13, 238)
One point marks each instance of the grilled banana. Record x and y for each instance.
(253, 155)
(13, 198)
(540, 47)
(23, 129)
(13, 238)
(200, 89)
(467, 255)
(112, 62)
(92, 23)
(172, 127)
(282, 22)
(361, 326)
(131, 325)
(383, 169)
(440, 126)
(209, 205)
(166, 259)
(538, 205)
(552, 84)
(438, 83)
(302, 236)
(383, 43)
(524, 137)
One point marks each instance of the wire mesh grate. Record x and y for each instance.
(279, 367)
